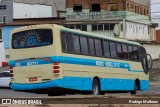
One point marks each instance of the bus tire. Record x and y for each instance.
(134, 92)
(95, 87)
(51, 93)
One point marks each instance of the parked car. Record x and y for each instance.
(5, 79)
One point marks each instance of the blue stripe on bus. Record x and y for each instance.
(76, 61)
(84, 84)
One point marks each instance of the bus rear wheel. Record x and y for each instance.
(95, 87)
(134, 92)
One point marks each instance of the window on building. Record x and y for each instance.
(100, 27)
(119, 51)
(77, 8)
(94, 27)
(122, 27)
(76, 44)
(71, 26)
(112, 26)
(98, 47)
(84, 45)
(3, 7)
(78, 26)
(125, 51)
(84, 28)
(106, 49)
(91, 46)
(140, 10)
(144, 12)
(96, 8)
(106, 27)
(103, 27)
(135, 9)
(113, 49)
(113, 6)
(127, 5)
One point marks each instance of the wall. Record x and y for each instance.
(21, 10)
(57, 5)
(153, 50)
(136, 31)
(138, 6)
(7, 30)
(8, 11)
(2, 53)
(153, 34)
(104, 3)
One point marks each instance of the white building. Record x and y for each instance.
(22, 10)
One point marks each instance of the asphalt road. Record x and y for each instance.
(6, 92)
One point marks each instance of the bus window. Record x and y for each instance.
(106, 49)
(76, 44)
(91, 46)
(63, 39)
(130, 50)
(69, 40)
(135, 53)
(125, 51)
(119, 51)
(84, 45)
(98, 47)
(113, 49)
(32, 38)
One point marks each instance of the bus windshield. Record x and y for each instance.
(32, 38)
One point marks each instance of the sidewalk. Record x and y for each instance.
(155, 83)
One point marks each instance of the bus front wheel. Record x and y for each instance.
(95, 87)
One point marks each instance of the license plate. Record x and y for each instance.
(31, 79)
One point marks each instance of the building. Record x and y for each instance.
(10, 10)
(127, 19)
(58, 6)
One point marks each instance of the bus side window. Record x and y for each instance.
(91, 46)
(106, 49)
(113, 49)
(130, 50)
(125, 51)
(76, 44)
(135, 54)
(119, 51)
(63, 40)
(69, 40)
(98, 47)
(84, 45)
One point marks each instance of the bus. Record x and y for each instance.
(55, 58)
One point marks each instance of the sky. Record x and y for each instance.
(155, 6)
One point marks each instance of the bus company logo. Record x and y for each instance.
(32, 63)
(6, 101)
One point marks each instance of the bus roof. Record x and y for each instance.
(75, 31)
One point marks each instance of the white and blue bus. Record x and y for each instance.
(54, 57)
